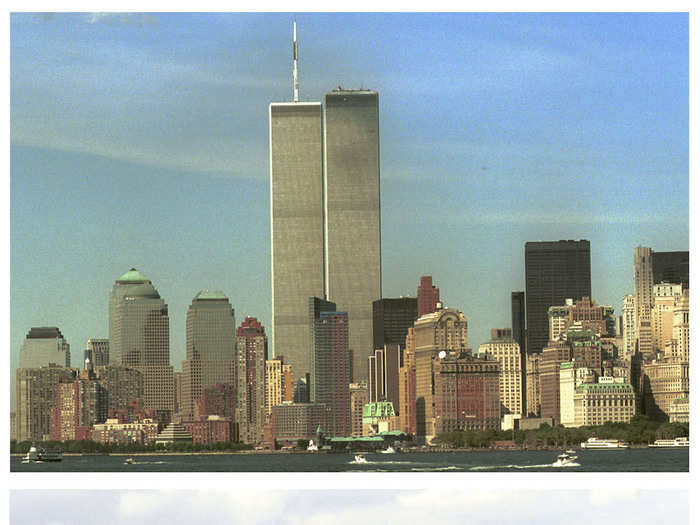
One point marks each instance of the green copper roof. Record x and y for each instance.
(132, 276)
(210, 294)
(680, 400)
(378, 409)
(566, 364)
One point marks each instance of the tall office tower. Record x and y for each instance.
(297, 226)
(325, 224)
(671, 267)
(331, 369)
(36, 393)
(628, 328)
(384, 365)
(428, 296)
(643, 281)
(444, 330)
(98, 349)
(662, 313)
(42, 347)
(554, 271)
(359, 397)
(506, 351)
(533, 386)
(211, 347)
(251, 351)
(352, 214)
(278, 383)
(179, 398)
(391, 319)
(139, 338)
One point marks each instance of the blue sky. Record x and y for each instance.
(142, 140)
(604, 506)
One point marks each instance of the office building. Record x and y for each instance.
(217, 400)
(391, 319)
(139, 338)
(503, 349)
(628, 326)
(428, 296)
(384, 365)
(359, 397)
(98, 352)
(251, 351)
(407, 387)
(325, 217)
(671, 267)
(665, 295)
(211, 347)
(36, 392)
(663, 381)
(442, 331)
(332, 365)
(278, 383)
(554, 271)
(81, 402)
(291, 422)
(44, 346)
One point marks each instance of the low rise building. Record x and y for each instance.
(600, 403)
(379, 417)
(291, 422)
(213, 429)
(112, 432)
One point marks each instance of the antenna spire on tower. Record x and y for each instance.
(296, 77)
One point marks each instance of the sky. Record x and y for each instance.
(141, 140)
(349, 507)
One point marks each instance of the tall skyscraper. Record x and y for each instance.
(554, 271)
(325, 223)
(671, 267)
(428, 296)
(98, 352)
(211, 347)
(391, 319)
(251, 351)
(331, 369)
(351, 200)
(139, 335)
(44, 346)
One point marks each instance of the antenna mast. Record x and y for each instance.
(296, 77)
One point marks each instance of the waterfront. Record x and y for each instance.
(633, 460)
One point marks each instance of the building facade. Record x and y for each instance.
(210, 347)
(359, 397)
(251, 351)
(391, 319)
(506, 352)
(428, 296)
(554, 271)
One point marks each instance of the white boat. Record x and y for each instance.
(604, 444)
(360, 458)
(671, 443)
(312, 446)
(388, 450)
(564, 459)
(39, 455)
(129, 461)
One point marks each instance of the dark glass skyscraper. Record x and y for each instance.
(391, 319)
(671, 267)
(554, 271)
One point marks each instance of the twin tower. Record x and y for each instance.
(325, 219)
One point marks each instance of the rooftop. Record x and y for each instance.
(132, 276)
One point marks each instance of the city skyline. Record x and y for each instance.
(467, 231)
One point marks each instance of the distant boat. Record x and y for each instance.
(388, 450)
(683, 442)
(360, 458)
(604, 444)
(312, 446)
(564, 459)
(129, 461)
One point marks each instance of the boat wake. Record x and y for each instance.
(146, 463)
(523, 467)
(436, 469)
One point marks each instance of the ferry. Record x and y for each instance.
(604, 444)
(671, 443)
(39, 455)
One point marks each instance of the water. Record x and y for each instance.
(631, 460)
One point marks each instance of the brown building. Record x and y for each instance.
(217, 400)
(278, 383)
(80, 403)
(122, 384)
(442, 331)
(466, 393)
(383, 367)
(533, 387)
(428, 296)
(213, 429)
(251, 349)
(407, 387)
